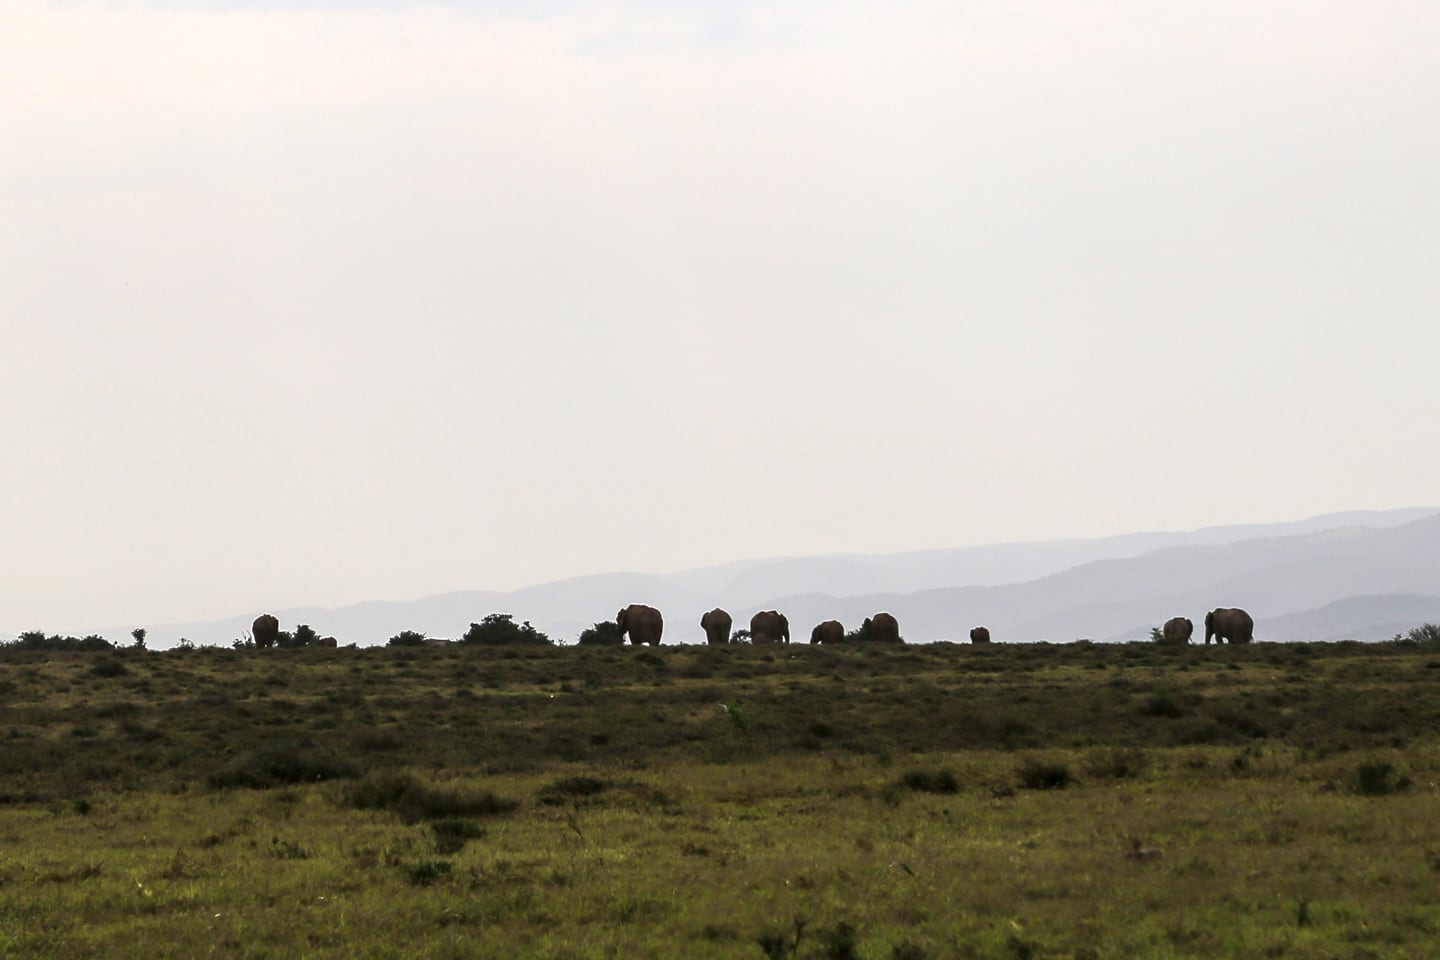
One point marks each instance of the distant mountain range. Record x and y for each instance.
(1361, 575)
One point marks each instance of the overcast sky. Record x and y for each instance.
(318, 302)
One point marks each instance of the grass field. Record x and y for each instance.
(1025, 801)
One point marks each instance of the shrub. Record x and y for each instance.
(37, 640)
(779, 944)
(30, 640)
(1043, 775)
(107, 667)
(602, 634)
(571, 788)
(412, 800)
(1427, 633)
(908, 951)
(1162, 705)
(452, 833)
(1119, 763)
(283, 849)
(406, 638)
(303, 636)
(821, 729)
(500, 629)
(281, 764)
(423, 873)
(930, 781)
(1241, 723)
(1379, 778)
(841, 943)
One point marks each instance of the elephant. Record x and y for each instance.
(831, 631)
(882, 628)
(1177, 630)
(329, 643)
(979, 634)
(265, 630)
(1229, 624)
(643, 623)
(767, 626)
(716, 625)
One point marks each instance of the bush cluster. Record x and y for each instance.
(407, 638)
(411, 800)
(37, 640)
(603, 634)
(931, 781)
(500, 629)
(281, 764)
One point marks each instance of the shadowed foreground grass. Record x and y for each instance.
(943, 801)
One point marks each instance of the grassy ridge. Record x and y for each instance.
(937, 801)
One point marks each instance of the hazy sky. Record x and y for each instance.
(316, 302)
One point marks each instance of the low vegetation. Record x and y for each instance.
(523, 799)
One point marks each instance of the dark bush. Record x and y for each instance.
(1162, 705)
(406, 638)
(1119, 763)
(37, 640)
(304, 636)
(908, 951)
(425, 872)
(1241, 723)
(841, 942)
(108, 667)
(572, 788)
(412, 800)
(498, 629)
(1428, 633)
(1043, 775)
(281, 764)
(452, 833)
(821, 729)
(1379, 778)
(378, 741)
(603, 634)
(779, 944)
(930, 781)
(283, 849)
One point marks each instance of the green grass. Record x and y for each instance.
(899, 804)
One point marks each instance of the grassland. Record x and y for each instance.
(1079, 801)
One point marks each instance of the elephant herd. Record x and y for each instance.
(644, 624)
(1223, 625)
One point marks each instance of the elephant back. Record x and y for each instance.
(883, 628)
(769, 626)
(265, 630)
(716, 625)
(643, 622)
